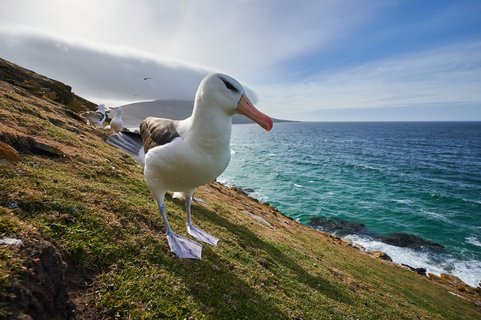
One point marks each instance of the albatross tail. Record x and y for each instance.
(130, 142)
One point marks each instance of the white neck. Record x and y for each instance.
(209, 128)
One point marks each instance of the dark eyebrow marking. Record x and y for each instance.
(229, 85)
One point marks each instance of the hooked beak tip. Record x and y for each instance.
(246, 108)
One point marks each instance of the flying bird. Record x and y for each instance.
(96, 117)
(148, 78)
(181, 155)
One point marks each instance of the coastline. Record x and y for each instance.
(367, 175)
(447, 279)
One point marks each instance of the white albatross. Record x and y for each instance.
(116, 124)
(96, 117)
(180, 156)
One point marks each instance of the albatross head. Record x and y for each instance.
(229, 95)
(101, 108)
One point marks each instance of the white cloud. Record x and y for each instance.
(246, 39)
(103, 75)
(104, 48)
(446, 75)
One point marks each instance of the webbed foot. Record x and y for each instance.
(201, 235)
(183, 247)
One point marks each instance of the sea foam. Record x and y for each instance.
(468, 271)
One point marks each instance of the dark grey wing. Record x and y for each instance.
(93, 116)
(127, 141)
(157, 132)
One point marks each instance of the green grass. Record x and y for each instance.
(116, 230)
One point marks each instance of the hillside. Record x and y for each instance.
(86, 240)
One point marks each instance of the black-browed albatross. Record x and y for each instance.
(96, 117)
(180, 156)
(117, 124)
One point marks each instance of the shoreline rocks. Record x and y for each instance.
(454, 282)
(343, 227)
(397, 239)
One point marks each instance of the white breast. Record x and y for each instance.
(180, 167)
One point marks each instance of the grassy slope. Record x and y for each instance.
(95, 205)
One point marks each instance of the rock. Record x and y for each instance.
(10, 241)
(453, 282)
(74, 115)
(57, 122)
(244, 191)
(52, 96)
(421, 271)
(257, 218)
(7, 152)
(457, 283)
(381, 255)
(12, 204)
(41, 86)
(343, 227)
(338, 226)
(27, 144)
(457, 295)
(198, 200)
(406, 240)
(48, 149)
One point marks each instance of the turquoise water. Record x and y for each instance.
(423, 179)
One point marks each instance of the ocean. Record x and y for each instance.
(410, 189)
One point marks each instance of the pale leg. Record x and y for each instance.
(181, 246)
(194, 231)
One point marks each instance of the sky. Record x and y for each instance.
(332, 60)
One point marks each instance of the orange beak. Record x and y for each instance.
(246, 108)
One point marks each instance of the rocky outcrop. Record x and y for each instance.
(421, 271)
(406, 240)
(43, 87)
(380, 255)
(454, 282)
(27, 144)
(337, 226)
(399, 239)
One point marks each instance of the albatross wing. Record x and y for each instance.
(131, 142)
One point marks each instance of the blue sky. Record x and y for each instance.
(339, 60)
(395, 29)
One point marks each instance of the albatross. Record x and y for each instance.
(96, 117)
(182, 155)
(117, 124)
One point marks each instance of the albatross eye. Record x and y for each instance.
(229, 85)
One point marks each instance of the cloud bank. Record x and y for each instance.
(247, 39)
(100, 74)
